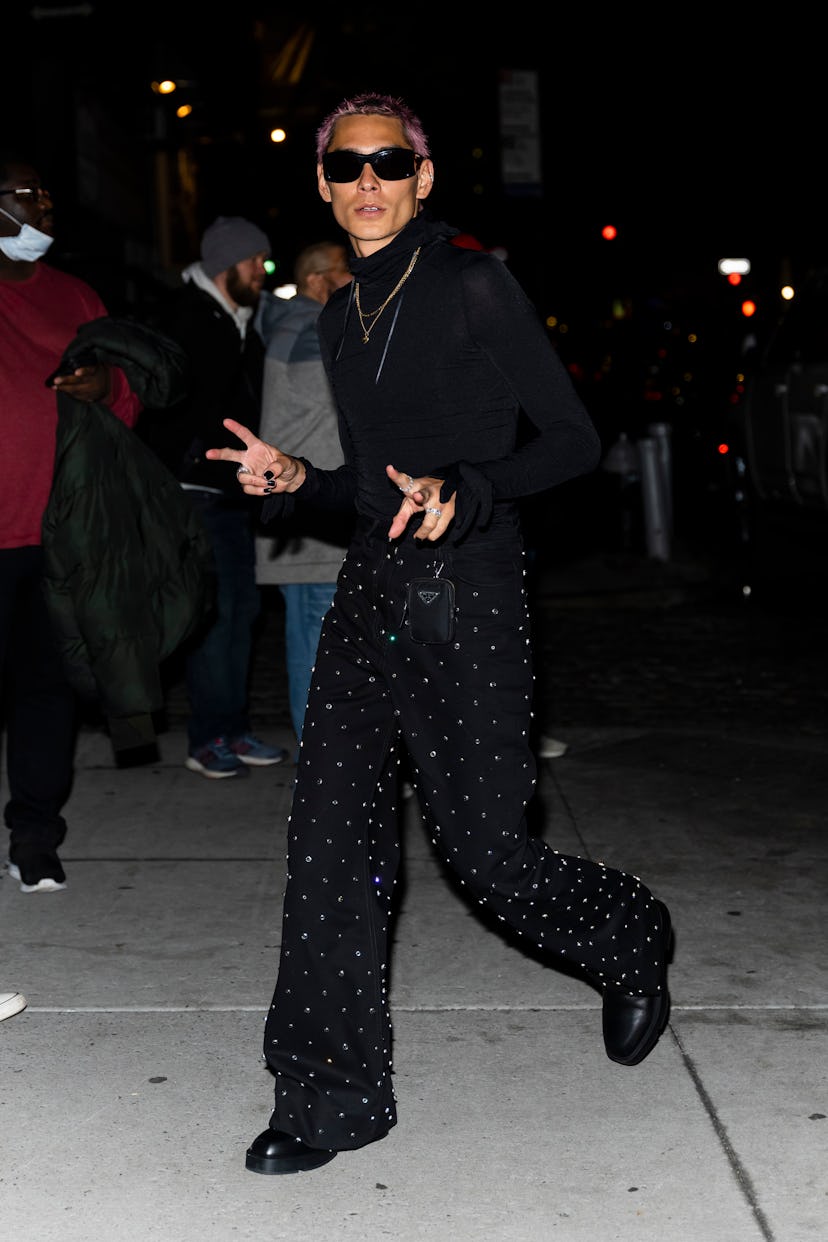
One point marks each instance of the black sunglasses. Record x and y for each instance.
(390, 164)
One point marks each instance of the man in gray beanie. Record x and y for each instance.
(211, 317)
(228, 241)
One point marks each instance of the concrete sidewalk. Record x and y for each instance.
(133, 1081)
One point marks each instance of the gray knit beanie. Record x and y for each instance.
(228, 241)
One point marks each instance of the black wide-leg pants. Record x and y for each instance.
(462, 711)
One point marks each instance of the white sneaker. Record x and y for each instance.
(11, 1003)
(551, 748)
(45, 884)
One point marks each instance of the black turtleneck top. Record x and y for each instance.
(455, 356)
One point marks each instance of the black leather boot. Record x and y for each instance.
(633, 1024)
(273, 1151)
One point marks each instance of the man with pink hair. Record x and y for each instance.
(432, 352)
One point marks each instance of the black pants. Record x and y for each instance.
(462, 712)
(218, 661)
(40, 707)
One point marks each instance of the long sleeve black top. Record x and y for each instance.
(455, 356)
(224, 381)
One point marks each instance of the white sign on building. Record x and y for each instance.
(520, 141)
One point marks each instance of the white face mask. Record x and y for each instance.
(29, 245)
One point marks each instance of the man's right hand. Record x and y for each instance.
(261, 468)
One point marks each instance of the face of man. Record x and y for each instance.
(338, 274)
(245, 280)
(372, 211)
(23, 197)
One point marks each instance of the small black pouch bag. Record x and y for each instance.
(431, 610)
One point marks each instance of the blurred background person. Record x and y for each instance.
(211, 317)
(304, 554)
(41, 309)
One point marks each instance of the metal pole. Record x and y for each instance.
(661, 433)
(653, 494)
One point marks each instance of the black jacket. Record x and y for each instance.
(224, 380)
(128, 565)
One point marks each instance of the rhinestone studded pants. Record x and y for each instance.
(462, 711)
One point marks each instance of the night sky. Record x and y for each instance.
(698, 136)
(703, 128)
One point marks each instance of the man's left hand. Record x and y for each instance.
(86, 383)
(421, 496)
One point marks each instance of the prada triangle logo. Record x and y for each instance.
(427, 597)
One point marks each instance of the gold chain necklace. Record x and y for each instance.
(367, 329)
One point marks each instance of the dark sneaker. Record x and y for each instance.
(216, 761)
(37, 872)
(255, 753)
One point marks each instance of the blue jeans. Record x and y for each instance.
(218, 665)
(305, 606)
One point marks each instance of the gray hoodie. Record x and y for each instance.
(298, 416)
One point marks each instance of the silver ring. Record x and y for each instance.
(243, 470)
(410, 487)
(436, 512)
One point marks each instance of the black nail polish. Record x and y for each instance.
(268, 474)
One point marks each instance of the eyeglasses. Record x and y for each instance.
(390, 164)
(28, 193)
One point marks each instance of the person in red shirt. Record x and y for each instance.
(41, 309)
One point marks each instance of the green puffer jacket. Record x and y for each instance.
(128, 565)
